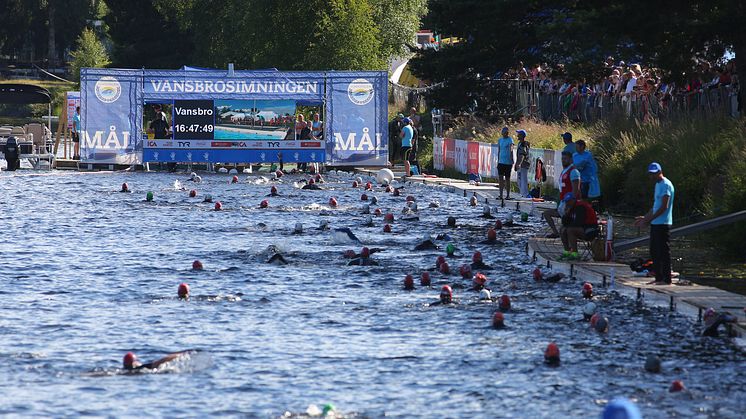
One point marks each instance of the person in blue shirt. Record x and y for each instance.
(585, 163)
(660, 219)
(406, 135)
(76, 133)
(569, 145)
(504, 162)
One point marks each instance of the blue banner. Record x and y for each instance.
(216, 84)
(233, 156)
(357, 111)
(110, 116)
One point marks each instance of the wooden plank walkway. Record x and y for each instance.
(682, 296)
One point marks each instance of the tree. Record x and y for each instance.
(89, 53)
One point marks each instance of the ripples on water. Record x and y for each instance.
(89, 273)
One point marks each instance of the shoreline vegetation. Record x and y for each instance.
(705, 157)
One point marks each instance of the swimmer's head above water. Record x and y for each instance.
(130, 362)
(446, 294)
(183, 291)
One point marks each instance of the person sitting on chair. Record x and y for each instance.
(578, 223)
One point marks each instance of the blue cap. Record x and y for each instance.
(505, 129)
(568, 196)
(406, 121)
(566, 136)
(621, 408)
(521, 131)
(654, 168)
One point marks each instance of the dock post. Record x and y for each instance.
(639, 294)
(672, 304)
(603, 281)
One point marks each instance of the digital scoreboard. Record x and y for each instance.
(193, 120)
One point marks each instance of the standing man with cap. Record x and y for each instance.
(504, 162)
(523, 162)
(407, 134)
(569, 145)
(660, 219)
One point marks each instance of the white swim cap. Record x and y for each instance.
(198, 179)
(485, 294)
(589, 309)
(193, 175)
(222, 170)
(233, 171)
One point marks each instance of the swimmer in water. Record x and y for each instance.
(125, 188)
(132, 364)
(276, 257)
(312, 186)
(363, 259)
(713, 320)
(426, 244)
(273, 191)
(491, 237)
(446, 297)
(486, 213)
(477, 264)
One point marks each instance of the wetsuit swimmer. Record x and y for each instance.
(446, 297)
(451, 250)
(426, 244)
(486, 213)
(713, 320)
(363, 259)
(491, 237)
(312, 186)
(443, 236)
(277, 259)
(131, 363)
(273, 191)
(477, 264)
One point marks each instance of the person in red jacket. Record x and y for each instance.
(578, 223)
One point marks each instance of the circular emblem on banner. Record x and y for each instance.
(360, 91)
(108, 89)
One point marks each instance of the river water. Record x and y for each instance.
(89, 274)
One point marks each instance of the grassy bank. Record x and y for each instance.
(705, 158)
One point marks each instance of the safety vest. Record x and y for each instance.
(565, 182)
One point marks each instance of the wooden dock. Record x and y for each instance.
(686, 298)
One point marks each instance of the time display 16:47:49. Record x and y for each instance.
(194, 128)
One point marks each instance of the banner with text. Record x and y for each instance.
(357, 109)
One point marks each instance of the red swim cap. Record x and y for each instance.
(387, 228)
(354, 184)
(279, 173)
(129, 360)
(477, 257)
(504, 303)
(264, 204)
(192, 193)
(465, 271)
(425, 279)
(587, 290)
(396, 192)
(235, 179)
(594, 320)
(349, 254)
(439, 261)
(311, 181)
(444, 268)
(491, 234)
(125, 187)
(389, 217)
(377, 212)
(369, 186)
(410, 198)
(365, 252)
(183, 290)
(498, 225)
(538, 275)
(677, 386)
(218, 206)
(408, 282)
(332, 202)
(363, 197)
(273, 190)
(197, 265)
(388, 189)
(552, 354)
(498, 320)
(480, 280)
(446, 294)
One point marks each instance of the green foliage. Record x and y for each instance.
(90, 52)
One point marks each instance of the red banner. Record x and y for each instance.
(449, 153)
(472, 149)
